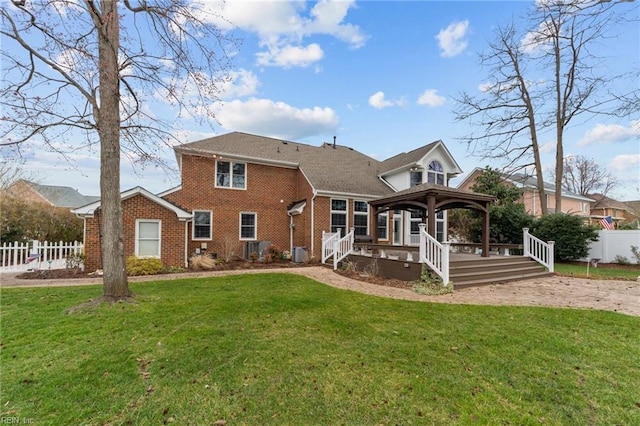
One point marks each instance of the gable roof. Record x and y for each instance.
(329, 168)
(89, 209)
(57, 196)
(633, 207)
(411, 158)
(523, 180)
(604, 202)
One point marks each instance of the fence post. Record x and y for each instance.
(525, 242)
(552, 258)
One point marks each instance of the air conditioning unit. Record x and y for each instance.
(251, 247)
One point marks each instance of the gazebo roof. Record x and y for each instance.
(445, 198)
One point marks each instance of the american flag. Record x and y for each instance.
(607, 223)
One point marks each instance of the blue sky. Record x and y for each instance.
(379, 75)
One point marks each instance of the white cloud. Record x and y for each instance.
(627, 162)
(453, 39)
(605, 134)
(431, 98)
(378, 101)
(281, 27)
(241, 83)
(290, 56)
(276, 119)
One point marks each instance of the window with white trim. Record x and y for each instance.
(202, 224)
(248, 226)
(339, 216)
(148, 234)
(231, 175)
(415, 221)
(440, 226)
(383, 226)
(360, 218)
(435, 173)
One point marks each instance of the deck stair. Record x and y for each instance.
(495, 269)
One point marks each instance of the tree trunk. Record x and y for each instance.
(113, 261)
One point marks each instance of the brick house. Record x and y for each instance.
(572, 203)
(237, 189)
(620, 213)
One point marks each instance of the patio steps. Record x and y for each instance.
(492, 270)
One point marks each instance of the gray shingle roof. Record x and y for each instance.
(62, 196)
(532, 182)
(328, 168)
(406, 158)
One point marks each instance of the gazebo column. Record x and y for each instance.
(485, 232)
(431, 215)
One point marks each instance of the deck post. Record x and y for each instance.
(525, 242)
(485, 233)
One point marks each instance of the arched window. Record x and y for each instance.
(435, 174)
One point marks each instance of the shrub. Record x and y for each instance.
(621, 260)
(430, 284)
(75, 261)
(636, 254)
(144, 265)
(571, 236)
(202, 261)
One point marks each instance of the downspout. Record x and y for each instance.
(186, 243)
(290, 233)
(313, 221)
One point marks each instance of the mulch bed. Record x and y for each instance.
(48, 274)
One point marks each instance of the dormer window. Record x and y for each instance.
(435, 174)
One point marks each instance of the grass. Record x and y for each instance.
(603, 272)
(279, 349)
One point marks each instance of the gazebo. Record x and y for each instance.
(431, 198)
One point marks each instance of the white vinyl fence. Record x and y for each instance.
(614, 243)
(20, 257)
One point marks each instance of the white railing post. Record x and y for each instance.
(525, 242)
(551, 258)
(445, 263)
(538, 250)
(423, 242)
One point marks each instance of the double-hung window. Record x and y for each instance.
(148, 233)
(361, 218)
(248, 226)
(231, 175)
(383, 226)
(339, 216)
(201, 224)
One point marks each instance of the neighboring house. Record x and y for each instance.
(571, 202)
(634, 208)
(620, 212)
(238, 189)
(52, 195)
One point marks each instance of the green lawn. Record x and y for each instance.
(580, 270)
(279, 349)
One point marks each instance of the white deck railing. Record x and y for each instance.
(19, 257)
(329, 244)
(343, 247)
(538, 250)
(434, 254)
(339, 248)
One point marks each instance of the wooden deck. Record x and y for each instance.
(466, 269)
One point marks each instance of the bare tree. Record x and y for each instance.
(540, 80)
(584, 176)
(506, 110)
(88, 71)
